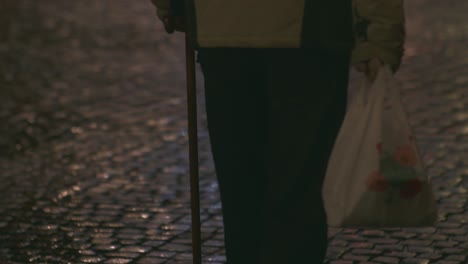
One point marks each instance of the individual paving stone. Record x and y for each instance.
(414, 242)
(105, 246)
(161, 254)
(448, 262)
(353, 257)
(459, 239)
(460, 258)
(117, 261)
(129, 242)
(419, 249)
(126, 255)
(372, 233)
(434, 237)
(461, 218)
(362, 245)
(153, 243)
(149, 260)
(463, 245)
(383, 241)
(176, 247)
(179, 227)
(389, 260)
(102, 233)
(352, 238)
(210, 250)
(87, 252)
(130, 236)
(390, 247)
(91, 259)
(459, 231)
(177, 261)
(403, 235)
(214, 243)
(341, 262)
(183, 258)
(87, 224)
(135, 249)
(415, 261)
(431, 256)
(162, 238)
(216, 258)
(338, 243)
(451, 251)
(400, 254)
(336, 252)
(445, 244)
(370, 252)
(348, 231)
(101, 240)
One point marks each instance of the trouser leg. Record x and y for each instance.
(307, 100)
(235, 107)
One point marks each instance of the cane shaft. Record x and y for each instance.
(193, 151)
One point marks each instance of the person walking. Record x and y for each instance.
(276, 78)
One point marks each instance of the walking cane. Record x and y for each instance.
(193, 150)
(179, 8)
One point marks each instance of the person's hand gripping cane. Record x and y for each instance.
(173, 20)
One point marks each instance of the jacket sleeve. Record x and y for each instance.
(162, 8)
(379, 31)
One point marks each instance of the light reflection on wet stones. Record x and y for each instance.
(104, 122)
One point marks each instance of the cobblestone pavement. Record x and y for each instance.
(93, 144)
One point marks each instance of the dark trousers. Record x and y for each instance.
(273, 116)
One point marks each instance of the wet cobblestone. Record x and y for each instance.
(93, 142)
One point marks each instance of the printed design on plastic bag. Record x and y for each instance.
(398, 173)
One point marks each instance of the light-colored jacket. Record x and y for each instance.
(368, 28)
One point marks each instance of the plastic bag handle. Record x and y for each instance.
(395, 91)
(370, 89)
(378, 87)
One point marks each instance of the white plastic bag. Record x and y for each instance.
(375, 175)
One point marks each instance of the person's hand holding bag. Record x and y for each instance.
(370, 68)
(171, 23)
(379, 27)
